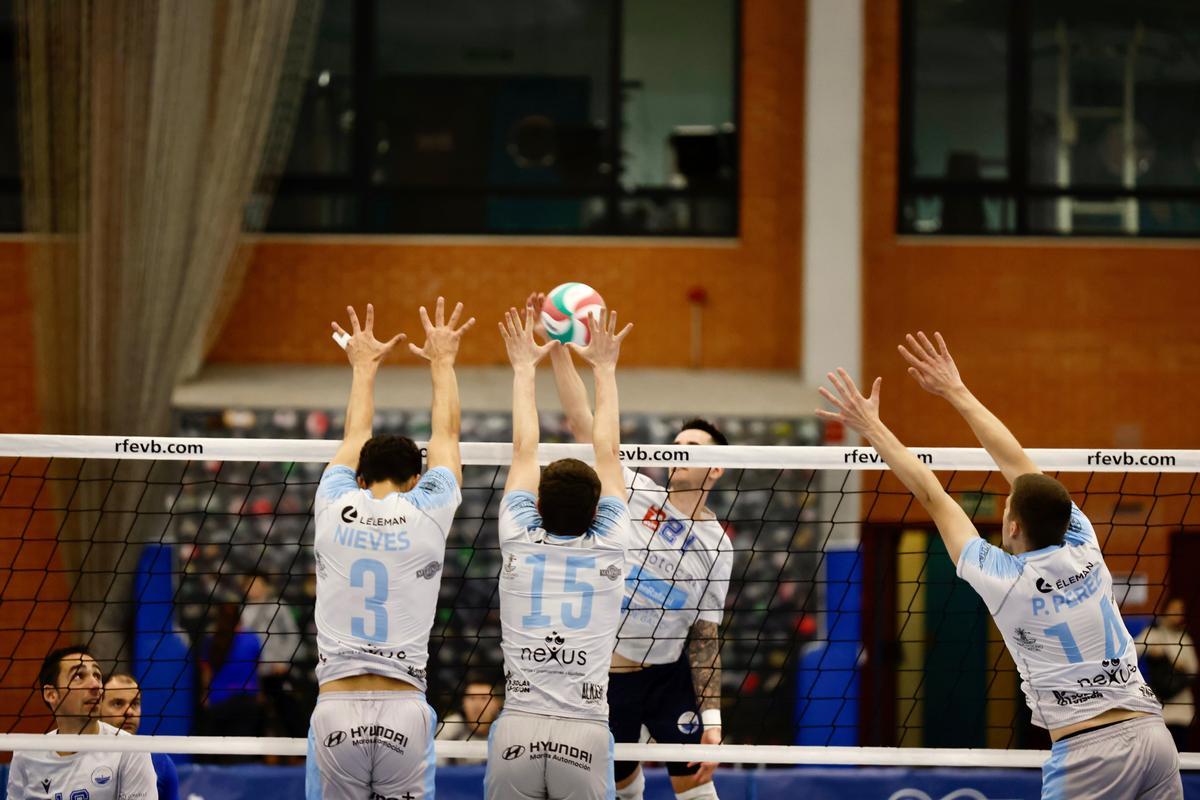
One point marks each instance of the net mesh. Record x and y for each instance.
(844, 622)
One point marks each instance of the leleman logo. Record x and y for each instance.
(1044, 587)
(429, 570)
(349, 514)
(335, 738)
(516, 751)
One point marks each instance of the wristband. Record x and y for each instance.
(711, 717)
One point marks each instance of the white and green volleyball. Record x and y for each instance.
(566, 311)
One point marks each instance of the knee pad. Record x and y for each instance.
(634, 790)
(705, 791)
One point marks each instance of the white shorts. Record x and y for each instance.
(371, 746)
(1123, 761)
(531, 756)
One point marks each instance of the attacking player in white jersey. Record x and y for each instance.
(381, 529)
(563, 533)
(72, 685)
(666, 671)
(1048, 591)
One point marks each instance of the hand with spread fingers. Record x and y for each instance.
(441, 337)
(517, 330)
(604, 347)
(932, 367)
(856, 411)
(535, 302)
(362, 348)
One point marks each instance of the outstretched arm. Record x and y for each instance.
(934, 369)
(862, 415)
(572, 393)
(365, 353)
(704, 657)
(441, 348)
(602, 352)
(524, 354)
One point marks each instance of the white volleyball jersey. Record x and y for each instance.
(1056, 611)
(678, 572)
(35, 775)
(560, 605)
(379, 569)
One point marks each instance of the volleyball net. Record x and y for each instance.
(846, 639)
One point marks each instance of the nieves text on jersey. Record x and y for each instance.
(385, 541)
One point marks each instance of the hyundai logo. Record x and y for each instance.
(335, 738)
(516, 751)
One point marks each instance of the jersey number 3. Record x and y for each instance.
(359, 571)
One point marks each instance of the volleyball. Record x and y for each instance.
(566, 310)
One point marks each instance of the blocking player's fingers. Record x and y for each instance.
(370, 325)
(836, 382)
(439, 314)
(420, 351)
(927, 345)
(876, 385)
(455, 314)
(834, 401)
(625, 331)
(824, 414)
(918, 351)
(339, 329)
(908, 356)
(395, 340)
(941, 343)
(466, 326)
(850, 384)
(612, 322)
(354, 326)
(425, 323)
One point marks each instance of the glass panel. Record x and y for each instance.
(323, 143)
(679, 69)
(335, 213)
(10, 155)
(1114, 216)
(459, 213)
(678, 214)
(960, 83)
(475, 93)
(962, 213)
(1115, 87)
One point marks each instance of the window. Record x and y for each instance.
(470, 116)
(10, 154)
(1050, 117)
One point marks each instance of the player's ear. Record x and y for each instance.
(714, 475)
(50, 696)
(361, 483)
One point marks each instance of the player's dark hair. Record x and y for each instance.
(1043, 507)
(699, 424)
(48, 674)
(567, 496)
(389, 457)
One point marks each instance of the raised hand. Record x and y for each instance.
(441, 338)
(536, 301)
(856, 411)
(605, 344)
(362, 348)
(932, 368)
(523, 351)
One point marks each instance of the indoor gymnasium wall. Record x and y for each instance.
(753, 313)
(1072, 343)
(18, 402)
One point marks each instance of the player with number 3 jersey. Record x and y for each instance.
(563, 535)
(380, 538)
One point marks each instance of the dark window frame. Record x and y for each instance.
(358, 186)
(1017, 187)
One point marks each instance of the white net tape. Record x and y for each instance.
(725, 754)
(492, 453)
